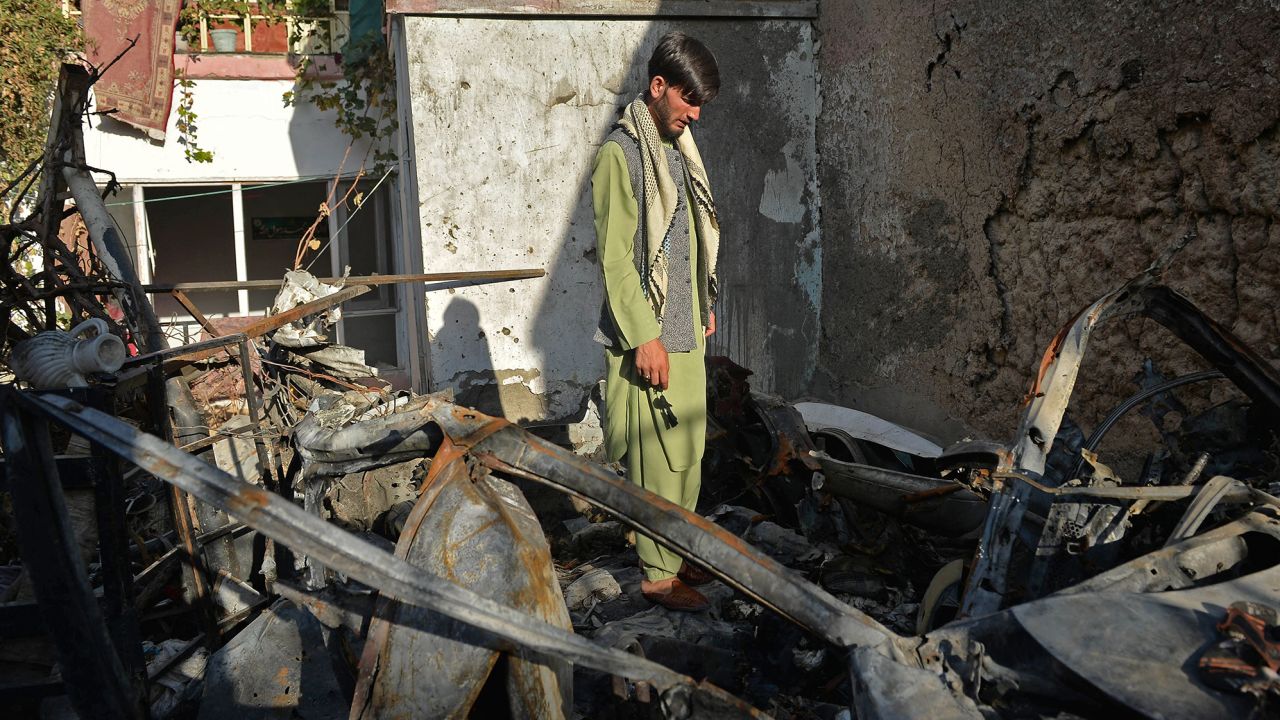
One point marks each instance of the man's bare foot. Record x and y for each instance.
(673, 594)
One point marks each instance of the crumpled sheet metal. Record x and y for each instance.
(277, 667)
(301, 287)
(887, 689)
(1132, 633)
(480, 533)
(507, 448)
(340, 360)
(279, 519)
(1194, 560)
(943, 506)
(856, 424)
(1134, 648)
(368, 444)
(1046, 403)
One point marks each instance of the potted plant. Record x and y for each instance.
(224, 19)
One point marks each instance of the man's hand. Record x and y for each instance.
(711, 326)
(652, 364)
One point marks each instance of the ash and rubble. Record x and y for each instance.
(256, 525)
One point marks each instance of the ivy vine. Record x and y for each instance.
(186, 122)
(364, 101)
(37, 36)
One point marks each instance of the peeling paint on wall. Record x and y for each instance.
(783, 196)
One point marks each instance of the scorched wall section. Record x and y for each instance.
(990, 168)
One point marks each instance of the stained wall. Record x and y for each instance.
(503, 136)
(988, 169)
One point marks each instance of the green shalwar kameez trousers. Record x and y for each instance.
(660, 433)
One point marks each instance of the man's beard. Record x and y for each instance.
(662, 113)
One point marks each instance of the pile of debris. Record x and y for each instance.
(273, 531)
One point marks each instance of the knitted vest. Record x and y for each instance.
(678, 333)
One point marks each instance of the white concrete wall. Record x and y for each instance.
(244, 122)
(506, 117)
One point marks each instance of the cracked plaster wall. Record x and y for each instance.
(987, 169)
(504, 139)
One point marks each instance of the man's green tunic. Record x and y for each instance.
(661, 433)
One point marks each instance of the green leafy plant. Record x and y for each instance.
(214, 11)
(186, 122)
(311, 8)
(37, 36)
(364, 101)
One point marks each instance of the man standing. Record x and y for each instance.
(657, 238)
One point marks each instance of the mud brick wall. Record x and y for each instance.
(988, 169)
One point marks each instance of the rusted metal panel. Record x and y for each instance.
(505, 447)
(480, 533)
(284, 522)
(1047, 400)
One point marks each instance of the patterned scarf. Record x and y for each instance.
(660, 192)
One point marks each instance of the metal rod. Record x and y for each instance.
(119, 599)
(187, 350)
(180, 509)
(194, 311)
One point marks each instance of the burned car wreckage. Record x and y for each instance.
(341, 549)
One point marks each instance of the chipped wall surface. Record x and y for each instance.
(503, 144)
(989, 169)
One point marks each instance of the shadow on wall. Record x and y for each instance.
(480, 388)
(756, 141)
(570, 313)
(504, 143)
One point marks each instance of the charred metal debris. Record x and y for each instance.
(255, 525)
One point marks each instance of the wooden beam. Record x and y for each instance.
(267, 324)
(194, 311)
(473, 276)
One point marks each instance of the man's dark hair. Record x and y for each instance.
(686, 64)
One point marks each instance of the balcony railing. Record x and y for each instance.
(291, 34)
(260, 33)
